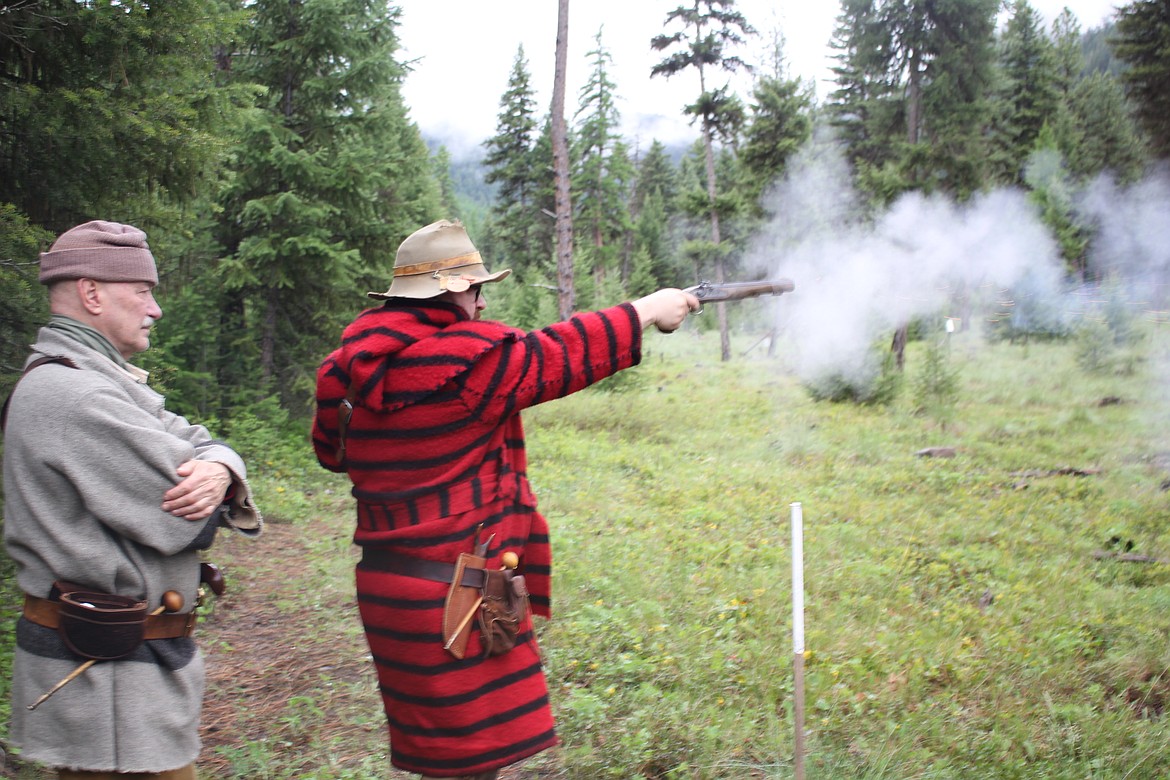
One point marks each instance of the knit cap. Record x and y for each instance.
(104, 251)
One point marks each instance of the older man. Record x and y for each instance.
(421, 406)
(108, 500)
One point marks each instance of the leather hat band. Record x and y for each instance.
(472, 258)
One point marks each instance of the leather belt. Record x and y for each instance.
(376, 559)
(47, 613)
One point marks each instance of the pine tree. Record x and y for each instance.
(864, 109)
(1068, 51)
(708, 29)
(331, 176)
(653, 208)
(656, 173)
(441, 168)
(1069, 60)
(1143, 42)
(1092, 124)
(1051, 189)
(512, 165)
(781, 123)
(24, 306)
(110, 109)
(654, 244)
(950, 46)
(1112, 141)
(602, 173)
(1031, 86)
(113, 111)
(911, 103)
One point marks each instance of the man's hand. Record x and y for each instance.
(666, 309)
(203, 487)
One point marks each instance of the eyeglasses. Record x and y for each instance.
(478, 290)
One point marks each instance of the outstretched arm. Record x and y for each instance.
(666, 309)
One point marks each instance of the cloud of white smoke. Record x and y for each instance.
(1131, 228)
(1131, 247)
(858, 280)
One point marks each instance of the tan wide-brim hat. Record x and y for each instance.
(436, 259)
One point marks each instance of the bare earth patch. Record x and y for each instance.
(256, 665)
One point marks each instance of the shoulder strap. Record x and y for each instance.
(344, 413)
(35, 364)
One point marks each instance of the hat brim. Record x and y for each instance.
(427, 286)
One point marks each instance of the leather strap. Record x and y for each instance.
(471, 258)
(38, 362)
(182, 773)
(376, 559)
(344, 414)
(47, 613)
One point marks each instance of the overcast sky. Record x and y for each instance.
(462, 52)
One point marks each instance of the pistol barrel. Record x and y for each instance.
(710, 292)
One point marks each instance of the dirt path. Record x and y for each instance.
(256, 659)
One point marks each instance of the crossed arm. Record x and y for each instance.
(203, 487)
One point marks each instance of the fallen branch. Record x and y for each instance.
(937, 452)
(1103, 555)
(1064, 471)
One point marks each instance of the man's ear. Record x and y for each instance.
(89, 292)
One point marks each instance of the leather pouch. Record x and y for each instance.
(505, 603)
(101, 626)
(462, 603)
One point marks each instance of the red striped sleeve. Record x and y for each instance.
(555, 361)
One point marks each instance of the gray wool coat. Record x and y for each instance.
(88, 455)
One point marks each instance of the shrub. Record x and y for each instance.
(936, 384)
(1095, 348)
(876, 383)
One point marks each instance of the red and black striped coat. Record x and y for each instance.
(435, 448)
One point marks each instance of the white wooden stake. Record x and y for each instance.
(798, 637)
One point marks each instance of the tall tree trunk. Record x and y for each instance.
(268, 336)
(228, 371)
(913, 135)
(716, 237)
(898, 346)
(599, 269)
(914, 99)
(566, 298)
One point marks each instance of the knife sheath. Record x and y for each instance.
(461, 600)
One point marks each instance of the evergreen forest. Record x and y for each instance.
(267, 151)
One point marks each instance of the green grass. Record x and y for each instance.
(672, 653)
(958, 624)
